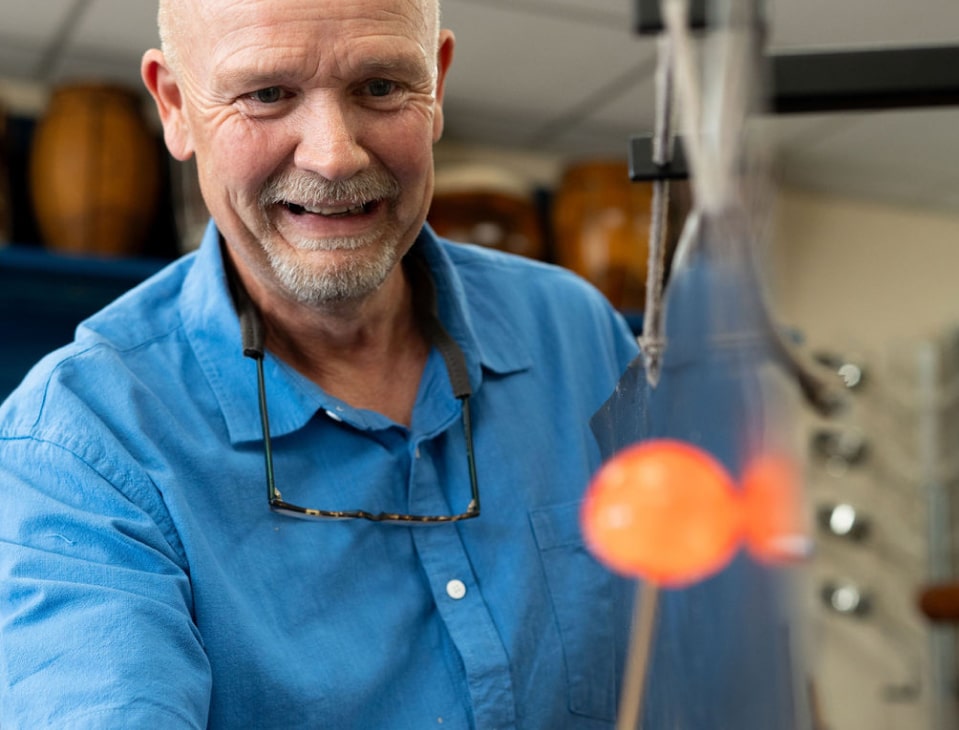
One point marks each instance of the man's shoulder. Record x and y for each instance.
(110, 351)
(145, 312)
(534, 301)
(518, 276)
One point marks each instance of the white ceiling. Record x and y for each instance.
(569, 77)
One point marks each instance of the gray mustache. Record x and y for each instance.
(315, 190)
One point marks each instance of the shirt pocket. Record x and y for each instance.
(592, 607)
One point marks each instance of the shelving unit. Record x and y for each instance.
(43, 296)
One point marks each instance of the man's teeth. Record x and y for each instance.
(328, 211)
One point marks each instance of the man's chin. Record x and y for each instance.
(331, 245)
(331, 276)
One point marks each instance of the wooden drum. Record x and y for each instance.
(601, 226)
(94, 171)
(497, 219)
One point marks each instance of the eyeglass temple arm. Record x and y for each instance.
(474, 505)
(251, 330)
(265, 423)
(453, 357)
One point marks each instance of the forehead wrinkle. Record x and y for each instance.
(408, 61)
(183, 23)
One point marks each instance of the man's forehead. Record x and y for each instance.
(191, 29)
(427, 10)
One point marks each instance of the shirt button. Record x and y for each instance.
(456, 589)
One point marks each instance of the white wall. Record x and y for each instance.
(873, 273)
(878, 282)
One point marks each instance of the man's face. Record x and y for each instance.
(313, 123)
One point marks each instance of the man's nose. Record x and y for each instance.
(329, 144)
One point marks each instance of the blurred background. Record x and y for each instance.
(543, 97)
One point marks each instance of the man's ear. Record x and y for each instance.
(444, 57)
(165, 90)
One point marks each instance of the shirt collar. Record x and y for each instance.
(490, 340)
(213, 331)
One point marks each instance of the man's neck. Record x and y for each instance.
(369, 354)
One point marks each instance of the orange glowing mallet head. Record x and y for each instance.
(670, 513)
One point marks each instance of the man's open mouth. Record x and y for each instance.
(333, 211)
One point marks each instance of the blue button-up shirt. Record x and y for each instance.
(145, 583)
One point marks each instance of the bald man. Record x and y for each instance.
(325, 471)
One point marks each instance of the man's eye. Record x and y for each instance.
(269, 95)
(380, 87)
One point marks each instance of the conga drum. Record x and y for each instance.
(94, 171)
(601, 228)
(487, 206)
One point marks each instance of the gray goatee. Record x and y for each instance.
(355, 277)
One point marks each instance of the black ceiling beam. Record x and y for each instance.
(881, 78)
(815, 82)
(847, 81)
(888, 78)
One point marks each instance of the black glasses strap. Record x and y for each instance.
(424, 299)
